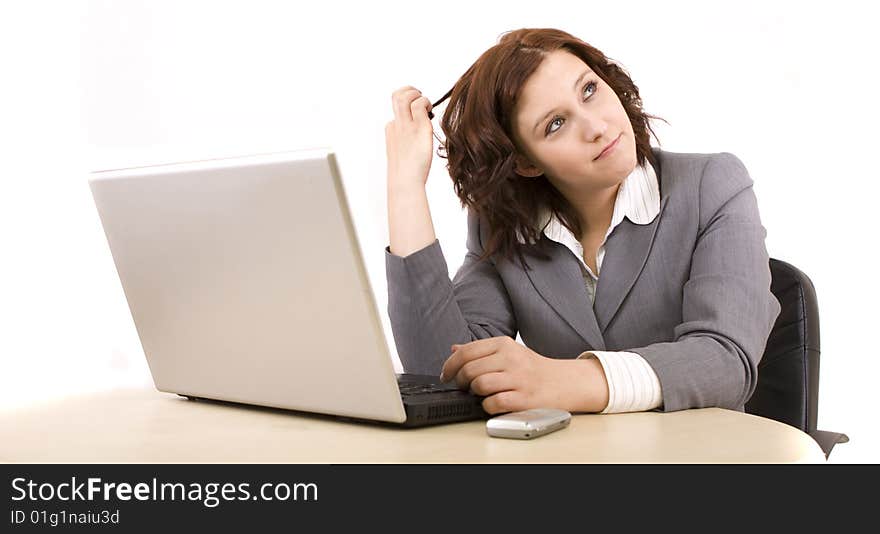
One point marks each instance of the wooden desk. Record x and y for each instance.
(145, 425)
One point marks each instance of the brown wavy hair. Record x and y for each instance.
(480, 146)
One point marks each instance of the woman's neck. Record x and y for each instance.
(595, 208)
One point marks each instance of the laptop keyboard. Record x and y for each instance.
(420, 389)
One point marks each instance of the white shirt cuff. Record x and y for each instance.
(633, 385)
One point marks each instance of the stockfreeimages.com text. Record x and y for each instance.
(210, 494)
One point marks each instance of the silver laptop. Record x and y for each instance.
(246, 284)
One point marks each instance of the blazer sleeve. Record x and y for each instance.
(429, 312)
(728, 310)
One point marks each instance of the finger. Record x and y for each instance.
(420, 108)
(491, 383)
(474, 368)
(503, 402)
(465, 353)
(401, 100)
(481, 347)
(487, 345)
(405, 89)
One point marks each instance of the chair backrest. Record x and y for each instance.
(788, 374)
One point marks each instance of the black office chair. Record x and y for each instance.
(788, 375)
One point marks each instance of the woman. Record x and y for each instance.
(637, 278)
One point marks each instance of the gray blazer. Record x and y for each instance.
(689, 292)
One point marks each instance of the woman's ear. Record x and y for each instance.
(525, 168)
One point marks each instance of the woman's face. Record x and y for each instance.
(562, 121)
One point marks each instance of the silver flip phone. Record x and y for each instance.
(527, 424)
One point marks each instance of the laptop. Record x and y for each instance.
(246, 283)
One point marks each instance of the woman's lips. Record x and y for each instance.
(607, 150)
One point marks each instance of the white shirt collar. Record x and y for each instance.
(638, 199)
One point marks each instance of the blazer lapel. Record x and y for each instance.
(626, 252)
(561, 284)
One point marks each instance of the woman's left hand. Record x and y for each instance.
(513, 377)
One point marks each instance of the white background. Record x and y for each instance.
(789, 87)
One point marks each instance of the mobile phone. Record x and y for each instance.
(527, 424)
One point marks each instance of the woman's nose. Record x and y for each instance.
(592, 128)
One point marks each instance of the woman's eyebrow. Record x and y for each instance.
(574, 88)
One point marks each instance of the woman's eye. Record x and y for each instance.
(590, 83)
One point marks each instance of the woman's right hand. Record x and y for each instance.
(408, 138)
